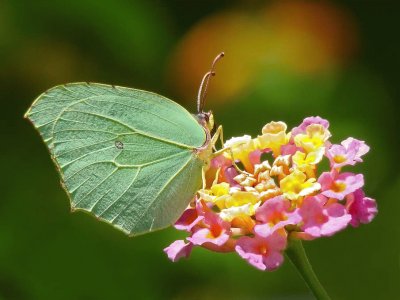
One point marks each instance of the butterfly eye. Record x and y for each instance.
(202, 118)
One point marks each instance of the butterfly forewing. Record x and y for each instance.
(125, 155)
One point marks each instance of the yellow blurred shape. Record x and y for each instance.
(238, 35)
(309, 36)
(296, 36)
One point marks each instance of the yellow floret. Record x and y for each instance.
(239, 198)
(313, 139)
(241, 147)
(306, 162)
(273, 137)
(295, 185)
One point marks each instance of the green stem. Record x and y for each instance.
(298, 257)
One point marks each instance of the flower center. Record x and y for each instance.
(339, 159)
(263, 249)
(338, 187)
(277, 217)
(215, 231)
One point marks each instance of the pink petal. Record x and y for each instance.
(311, 211)
(273, 261)
(220, 162)
(277, 241)
(267, 229)
(188, 220)
(339, 150)
(322, 220)
(358, 147)
(289, 149)
(326, 180)
(217, 231)
(313, 216)
(351, 149)
(204, 235)
(266, 212)
(263, 253)
(338, 219)
(178, 249)
(361, 208)
(349, 181)
(254, 259)
(308, 121)
(255, 157)
(272, 210)
(229, 174)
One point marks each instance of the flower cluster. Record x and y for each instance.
(263, 190)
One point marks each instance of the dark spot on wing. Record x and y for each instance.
(119, 145)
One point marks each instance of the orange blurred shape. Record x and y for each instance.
(238, 35)
(305, 37)
(309, 36)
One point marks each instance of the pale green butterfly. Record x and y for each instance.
(132, 158)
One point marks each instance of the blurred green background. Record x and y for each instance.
(285, 60)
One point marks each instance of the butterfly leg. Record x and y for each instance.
(219, 134)
(235, 165)
(214, 139)
(203, 176)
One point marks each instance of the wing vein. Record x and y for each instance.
(138, 108)
(133, 129)
(85, 146)
(93, 189)
(123, 193)
(161, 190)
(83, 156)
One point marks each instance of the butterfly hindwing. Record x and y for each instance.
(125, 155)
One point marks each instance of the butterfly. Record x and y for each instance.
(132, 158)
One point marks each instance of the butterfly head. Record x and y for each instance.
(206, 119)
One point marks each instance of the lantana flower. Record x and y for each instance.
(348, 153)
(273, 137)
(296, 185)
(275, 214)
(338, 186)
(264, 253)
(255, 211)
(322, 218)
(362, 209)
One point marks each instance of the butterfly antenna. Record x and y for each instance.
(201, 96)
